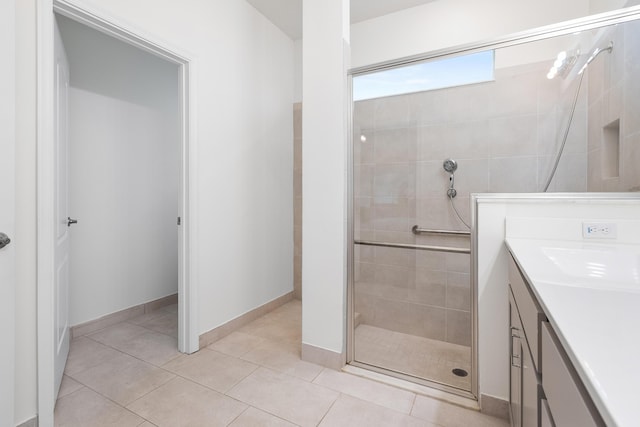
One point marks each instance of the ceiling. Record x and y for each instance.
(287, 14)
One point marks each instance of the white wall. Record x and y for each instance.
(297, 71)
(324, 184)
(442, 24)
(7, 211)
(493, 342)
(124, 146)
(599, 6)
(245, 92)
(245, 134)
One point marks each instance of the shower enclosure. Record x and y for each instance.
(517, 115)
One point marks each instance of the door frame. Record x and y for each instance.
(188, 336)
(8, 192)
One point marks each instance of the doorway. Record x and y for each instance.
(143, 227)
(123, 174)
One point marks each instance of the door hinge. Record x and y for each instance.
(179, 220)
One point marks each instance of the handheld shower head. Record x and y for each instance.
(595, 54)
(450, 165)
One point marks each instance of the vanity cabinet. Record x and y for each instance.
(524, 318)
(515, 374)
(545, 389)
(523, 379)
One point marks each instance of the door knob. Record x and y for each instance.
(71, 221)
(4, 240)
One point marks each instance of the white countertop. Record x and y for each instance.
(591, 294)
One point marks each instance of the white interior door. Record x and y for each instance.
(7, 211)
(61, 188)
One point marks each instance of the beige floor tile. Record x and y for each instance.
(289, 313)
(253, 417)
(117, 334)
(181, 402)
(237, 344)
(287, 397)
(85, 353)
(172, 308)
(276, 389)
(349, 411)
(380, 394)
(123, 379)
(87, 408)
(211, 369)
(150, 317)
(160, 321)
(273, 330)
(448, 415)
(68, 386)
(150, 346)
(283, 356)
(282, 324)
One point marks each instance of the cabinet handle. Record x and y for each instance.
(514, 357)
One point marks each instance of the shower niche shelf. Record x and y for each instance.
(611, 150)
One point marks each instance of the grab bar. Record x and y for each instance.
(419, 247)
(417, 230)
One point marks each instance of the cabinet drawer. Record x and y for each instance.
(568, 402)
(530, 313)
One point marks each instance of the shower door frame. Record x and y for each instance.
(541, 33)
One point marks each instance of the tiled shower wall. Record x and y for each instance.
(614, 112)
(503, 135)
(297, 200)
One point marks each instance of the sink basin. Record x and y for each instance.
(601, 267)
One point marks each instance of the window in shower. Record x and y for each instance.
(435, 74)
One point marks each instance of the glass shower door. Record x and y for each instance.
(411, 289)
(532, 115)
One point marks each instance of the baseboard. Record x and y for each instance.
(323, 357)
(494, 406)
(33, 422)
(122, 315)
(225, 329)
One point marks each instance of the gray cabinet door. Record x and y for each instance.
(515, 357)
(529, 400)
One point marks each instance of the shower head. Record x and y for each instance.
(595, 54)
(563, 64)
(450, 165)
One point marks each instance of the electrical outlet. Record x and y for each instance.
(599, 230)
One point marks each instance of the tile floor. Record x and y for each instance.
(413, 355)
(131, 374)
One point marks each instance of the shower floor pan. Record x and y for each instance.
(420, 357)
